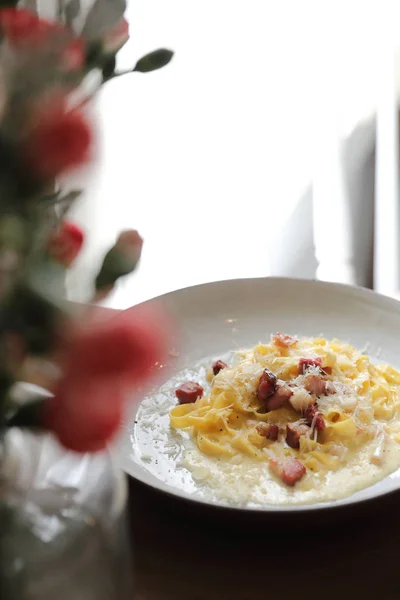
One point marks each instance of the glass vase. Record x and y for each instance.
(64, 533)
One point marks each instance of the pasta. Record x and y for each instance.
(327, 403)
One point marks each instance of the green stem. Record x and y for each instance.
(27, 416)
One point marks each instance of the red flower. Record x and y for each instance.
(101, 363)
(66, 243)
(124, 348)
(21, 26)
(24, 30)
(85, 413)
(60, 141)
(73, 55)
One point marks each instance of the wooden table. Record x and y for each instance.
(181, 554)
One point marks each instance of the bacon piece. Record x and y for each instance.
(310, 413)
(293, 434)
(218, 365)
(271, 431)
(293, 471)
(315, 385)
(283, 341)
(306, 363)
(279, 398)
(189, 392)
(289, 470)
(313, 413)
(266, 385)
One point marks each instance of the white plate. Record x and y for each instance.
(218, 317)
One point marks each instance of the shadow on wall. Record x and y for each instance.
(359, 164)
(293, 252)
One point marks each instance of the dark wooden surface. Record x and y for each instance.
(183, 553)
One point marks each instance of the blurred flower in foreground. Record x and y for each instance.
(25, 31)
(102, 363)
(65, 243)
(124, 347)
(22, 27)
(91, 366)
(73, 55)
(61, 140)
(85, 414)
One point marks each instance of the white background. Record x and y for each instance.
(211, 156)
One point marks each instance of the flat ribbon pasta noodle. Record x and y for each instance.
(362, 401)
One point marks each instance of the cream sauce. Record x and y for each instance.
(173, 457)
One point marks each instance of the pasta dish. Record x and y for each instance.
(303, 410)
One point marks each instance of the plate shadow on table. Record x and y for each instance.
(187, 551)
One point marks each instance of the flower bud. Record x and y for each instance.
(60, 140)
(120, 260)
(66, 243)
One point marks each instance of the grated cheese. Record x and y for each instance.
(363, 398)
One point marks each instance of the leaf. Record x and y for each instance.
(153, 61)
(8, 3)
(109, 68)
(102, 17)
(36, 318)
(65, 202)
(94, 54)
(71, 11)
(13, 233)
(27, 415)
(47, 277)
(114, 266)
